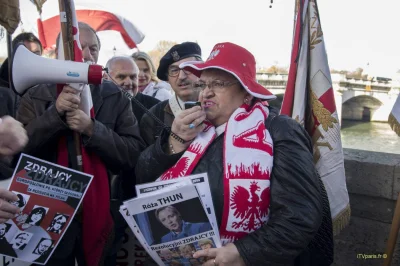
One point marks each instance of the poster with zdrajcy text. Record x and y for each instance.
(48, 197)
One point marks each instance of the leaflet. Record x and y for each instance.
(48, 197)
(202, 186)
(171, 223)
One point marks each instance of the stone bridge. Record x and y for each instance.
(367, 100)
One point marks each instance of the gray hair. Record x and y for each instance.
(114, 59)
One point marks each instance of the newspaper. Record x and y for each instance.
(202, 185)
(171, 222)
(48, 197)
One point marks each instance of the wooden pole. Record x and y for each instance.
(68, 45)
(394, 231)
(9, 56)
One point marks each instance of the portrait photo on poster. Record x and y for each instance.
(204, 244)
(6, 240)
(37, 215)
(22, 200)
(4, 228)
(58, 223)
(173, 222)
(171, 256)
(187, 251)
(184, 253)
(168, 254)
(21, 239)
(43, 249)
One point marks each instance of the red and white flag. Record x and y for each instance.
(394, 117)
(97, 17)
(97, 222)
(309, 98)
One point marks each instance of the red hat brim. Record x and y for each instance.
(248, 83)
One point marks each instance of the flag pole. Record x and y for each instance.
(394, 231)
(296, 10)
(68, 45)
(9, 56)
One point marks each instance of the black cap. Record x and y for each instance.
(176, 53)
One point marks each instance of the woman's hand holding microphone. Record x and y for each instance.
(185, 128)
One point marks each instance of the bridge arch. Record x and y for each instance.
(360, 107)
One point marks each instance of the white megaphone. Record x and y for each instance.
(29, 69)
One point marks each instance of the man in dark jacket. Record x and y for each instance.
(31, 42)
(113, 135)
(123, 71)
(181, 82)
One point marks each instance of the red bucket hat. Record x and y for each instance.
(235, 60)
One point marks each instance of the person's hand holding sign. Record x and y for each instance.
(7, 210)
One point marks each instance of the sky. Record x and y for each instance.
(356, 32)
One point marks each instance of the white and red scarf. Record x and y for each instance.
(248, 160)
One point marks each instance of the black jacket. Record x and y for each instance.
(150, 129)
(7, 102)
(4, 74)
(299, 229)
(4, 83)
(146, 101)
(6, 108)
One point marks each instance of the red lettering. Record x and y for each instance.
(140, 255)
(124, 254)
(139, 262)
(138, 247)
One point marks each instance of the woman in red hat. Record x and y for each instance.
(270, 204)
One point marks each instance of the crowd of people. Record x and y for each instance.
(243, 144)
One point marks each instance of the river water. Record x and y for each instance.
(370, 136)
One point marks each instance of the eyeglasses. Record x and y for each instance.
(174, 71)
(215, 85)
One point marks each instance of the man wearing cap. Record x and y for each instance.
(270, 204)
(181, 82)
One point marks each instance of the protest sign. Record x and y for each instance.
(48, 197)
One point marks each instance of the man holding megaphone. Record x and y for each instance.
(113, 135)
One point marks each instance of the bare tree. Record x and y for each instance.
(160, 50)
(357, 74)
(275, 69)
